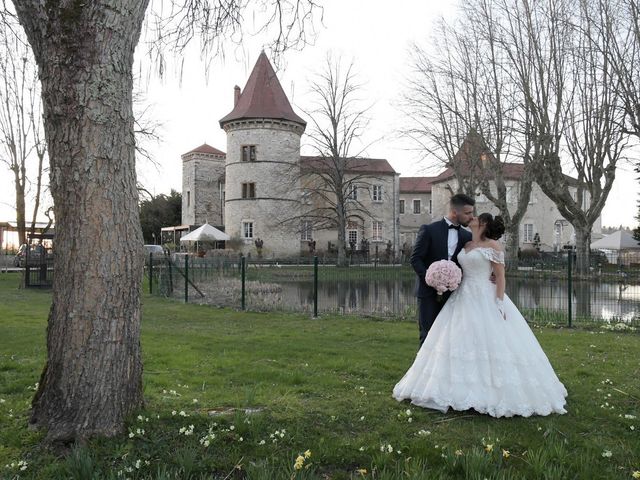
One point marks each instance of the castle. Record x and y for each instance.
(257, 189)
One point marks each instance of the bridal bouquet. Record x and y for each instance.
(443, 275)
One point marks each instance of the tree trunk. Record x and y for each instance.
(513, 245)
(583, 241)
(20, 209)
(36, 202)
(342, 226)
(93, 376)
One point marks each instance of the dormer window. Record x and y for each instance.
(248, 153)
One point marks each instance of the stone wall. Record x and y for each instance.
(410, 222)
(202, 190)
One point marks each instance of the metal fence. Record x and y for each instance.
(545, 289)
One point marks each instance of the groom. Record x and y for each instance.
(441, 240)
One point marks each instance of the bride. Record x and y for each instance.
(480, 353)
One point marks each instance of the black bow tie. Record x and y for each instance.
(457, 227)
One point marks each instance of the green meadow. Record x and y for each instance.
(242, 395)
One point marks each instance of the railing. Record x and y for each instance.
(546, 289)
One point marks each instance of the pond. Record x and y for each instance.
(612, 302)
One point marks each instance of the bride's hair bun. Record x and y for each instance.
(494, 225)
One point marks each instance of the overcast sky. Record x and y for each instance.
(375, 34)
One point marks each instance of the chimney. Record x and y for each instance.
(236, 95)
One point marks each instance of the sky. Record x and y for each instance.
(374, 34)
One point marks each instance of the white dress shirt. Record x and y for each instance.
(453, 238)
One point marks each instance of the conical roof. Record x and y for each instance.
(205, 148)
(263, 97)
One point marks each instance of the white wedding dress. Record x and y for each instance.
(473, 358)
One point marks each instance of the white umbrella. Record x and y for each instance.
(620, 240)
(205, 233)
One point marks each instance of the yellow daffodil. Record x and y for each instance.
(458, 453)
(506, 453)
(307, 454)
(299, 463)
(636, 474)
(362, 471)
(488, 448)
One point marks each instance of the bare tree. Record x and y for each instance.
(569, 90)
(619, 22)
(594, 138)
(464, 102)
(441, 102)
(331, 179)
(84, 51)
(21, 124)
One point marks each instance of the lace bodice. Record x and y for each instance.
(476, 264)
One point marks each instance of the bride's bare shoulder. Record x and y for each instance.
(496, 245)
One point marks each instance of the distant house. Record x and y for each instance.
(542, 226)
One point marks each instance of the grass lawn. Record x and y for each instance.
(322, 386)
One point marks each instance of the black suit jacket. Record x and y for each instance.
(432, 245)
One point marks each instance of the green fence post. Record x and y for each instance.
(243, 264)
(171, 277)
(570, 286)
(150, 273)
(315, 286)
(186, 279)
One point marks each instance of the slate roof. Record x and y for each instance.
(263, 97)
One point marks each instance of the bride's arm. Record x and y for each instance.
(497, 262)
(498, 271)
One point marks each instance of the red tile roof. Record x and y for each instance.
(205, 148)
(415, 184)
(354, 164)
(263, 97)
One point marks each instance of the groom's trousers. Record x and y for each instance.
(428, 310)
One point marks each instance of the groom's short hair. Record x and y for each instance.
(460, 200)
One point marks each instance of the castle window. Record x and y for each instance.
(377, 193)
(527, 233)
(248, 153)
(417, 207)
(352, 192)
(249, 190)
(247, 229)
(377, 231)
(352, 236)
(188, 199)
(430, 206)
(306, 231)
(401, 207)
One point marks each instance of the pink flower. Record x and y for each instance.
(443, 275)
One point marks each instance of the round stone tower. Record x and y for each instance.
(263, 165)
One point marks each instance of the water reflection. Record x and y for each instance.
(606, 301)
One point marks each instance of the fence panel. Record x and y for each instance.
(541, 288)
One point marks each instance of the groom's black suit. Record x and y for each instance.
(432, 245)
